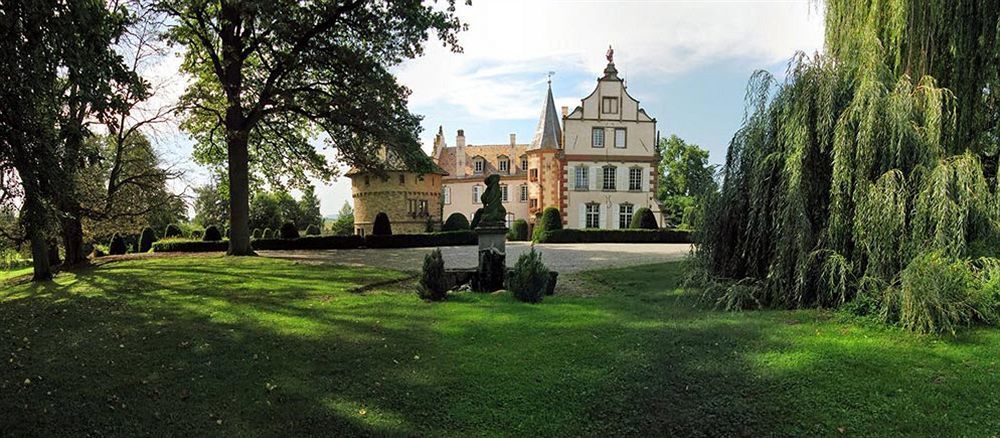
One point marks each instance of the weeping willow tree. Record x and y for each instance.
(868, 168)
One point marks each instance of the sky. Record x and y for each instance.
(687, 62)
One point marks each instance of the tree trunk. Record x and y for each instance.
(72, 234)
(239, 195)
(35, 227)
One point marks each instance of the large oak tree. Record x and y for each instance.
(270, 76)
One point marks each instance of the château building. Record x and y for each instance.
(596, 164)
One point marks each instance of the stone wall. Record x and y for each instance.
(398, 195)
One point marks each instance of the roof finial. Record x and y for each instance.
(550, 78)
(610, 55)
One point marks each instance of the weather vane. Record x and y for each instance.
(550, 76)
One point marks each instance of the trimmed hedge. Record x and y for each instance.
(643, 219)
(456, 222)
(117, 245)
(312, 230)
(186, 245)
(212, 234)
(147, 239)
(172, 231)
(550, 220)
(615, 236)
(382, 226)
(518, 231)
(310, 242)
(452, 238)
(288, 231)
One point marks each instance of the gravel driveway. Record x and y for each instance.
(561, 257)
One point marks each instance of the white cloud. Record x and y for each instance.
(510, 44)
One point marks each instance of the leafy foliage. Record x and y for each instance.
(382, 227)
(843, 175)
(256, 234)
(432, 285)
(455, 222)
(528, 280)
(344, 224)
(268, 234)
(551, 220)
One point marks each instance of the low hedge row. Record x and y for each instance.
(185, 245)
(615, 236)
(450, 238)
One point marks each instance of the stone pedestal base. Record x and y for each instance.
(492, 259)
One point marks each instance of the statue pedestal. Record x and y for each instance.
(492, 258)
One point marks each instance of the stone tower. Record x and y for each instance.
(544, 167)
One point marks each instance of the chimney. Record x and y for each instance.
(565, 111)
(460, 153)
(439, 144)
(513, 139)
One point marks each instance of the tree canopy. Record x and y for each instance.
(268, 77)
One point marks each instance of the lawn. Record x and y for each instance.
(255, 346)
(12, 273)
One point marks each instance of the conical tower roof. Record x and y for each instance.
(549, 131)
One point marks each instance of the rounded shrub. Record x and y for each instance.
(382, 227)
(551, 220)
(289, 231)
(432, 282)
(117, 245)
(312, 230)
(173, 231)
(529, 278)
(644, 219)
(267, 234)
(256, 233)
(455, 222)
(212, 234)
(146, 239)
(518, 230)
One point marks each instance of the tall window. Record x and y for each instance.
(582, 178)
(478, 165)
(475, 194)
(402, 179)
(609, 177)
(368, 180)
(524, 193)
(620, 138)
(533, 175)
(635, 179)
(593, 216)
(504, 165)
(624, 215)
(446, 195)
(609, 105)
(503, 193)
(423, 207)
(597, 137)
(532, 203)
(524, 163)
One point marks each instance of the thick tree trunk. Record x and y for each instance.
(239, 195)
(72, 234)
(35, 227)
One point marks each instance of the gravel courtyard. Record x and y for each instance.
(561, 257)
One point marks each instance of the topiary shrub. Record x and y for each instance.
(382, 227)
(256, 234)
(312, 230)
(643, 219)
(518, 231)
(173, 231)
(551, 220)
(212, 234)
(528, 280)
(147, 239)
(267, 234)
(432, 282)
(289, 231)
(455, 222)
(117, 245)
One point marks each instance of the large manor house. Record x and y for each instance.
(596, 164)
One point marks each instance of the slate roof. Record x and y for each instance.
(549, 130)
(490, 152)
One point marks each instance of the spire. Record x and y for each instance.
(549, 132)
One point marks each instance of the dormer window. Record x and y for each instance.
(504, 164)
(609, 105)
(524, 163)
(478, 165)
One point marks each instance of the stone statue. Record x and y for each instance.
(492, 214)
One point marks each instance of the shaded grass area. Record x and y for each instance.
(255, 346)
(13, 273)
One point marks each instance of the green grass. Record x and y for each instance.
(255, 346)
(13, 273)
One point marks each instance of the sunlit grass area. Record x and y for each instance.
(256, 346)
(7, 274)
